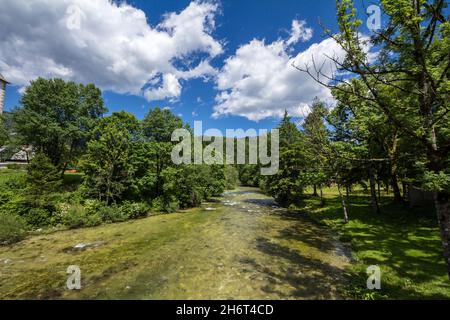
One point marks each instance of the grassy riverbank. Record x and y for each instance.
(403, 241)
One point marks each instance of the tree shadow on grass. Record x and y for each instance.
(403, 240)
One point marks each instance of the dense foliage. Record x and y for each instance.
(124, 165)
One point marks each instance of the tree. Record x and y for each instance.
(56, 117)
(316, 138)
(157, 128)
(4, 136)
(43, 181)
(106, 164)
(231, 177)
(324, 159)
(42, 176)
(286, 186)
(149, 160)
(159, 124)
(249, 174)
(409, 82)
(367, 127)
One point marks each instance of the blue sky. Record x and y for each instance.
(236, 24)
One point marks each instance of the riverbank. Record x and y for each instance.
(404, 242)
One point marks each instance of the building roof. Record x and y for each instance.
(3, 78)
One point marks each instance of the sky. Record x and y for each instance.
(227, 63)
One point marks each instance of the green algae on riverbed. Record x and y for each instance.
(239, 247)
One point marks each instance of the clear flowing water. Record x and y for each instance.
(241, 246)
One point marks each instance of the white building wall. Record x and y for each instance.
(2, 96)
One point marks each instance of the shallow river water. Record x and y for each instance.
(240, 246)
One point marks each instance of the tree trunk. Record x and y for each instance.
(64, 169)
(395, 189)
(373, 195)
(315, 190)
(379, 190)
(322, 200)
(441, 200)
(344, 205)
(394, 169)
(405, 190)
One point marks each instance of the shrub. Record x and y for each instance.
(12, 184)
(93, 220)
(74, 217)
(166, 204)
(231, 176)
(112, 214)
(13, 228)
(77, 217)
(13, 179)
(103, 212)
(43, 210)
(134, 210)
(42, 176)
(13, 203)
(38, 217)
(94, 212)
(72, 178)
(92, 206)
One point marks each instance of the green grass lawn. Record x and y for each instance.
(404, 242)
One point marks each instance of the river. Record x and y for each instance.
(239, 246)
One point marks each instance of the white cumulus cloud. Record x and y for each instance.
(259, 81)
(300, 32)
(113, 45)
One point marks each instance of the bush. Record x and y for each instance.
(93, 220)
(13, 228)
(167, 204)
(72, 181)
(13, 203)
(77, 217)
(231, 176)
(135, 210)
(104, 212)
(93, 206)
(94, 212)
(18, 197)
(74, 217)
(14, 179)
(42, 211)
(38, 217)
(112, 214)
(73, 178)
(42, 176)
